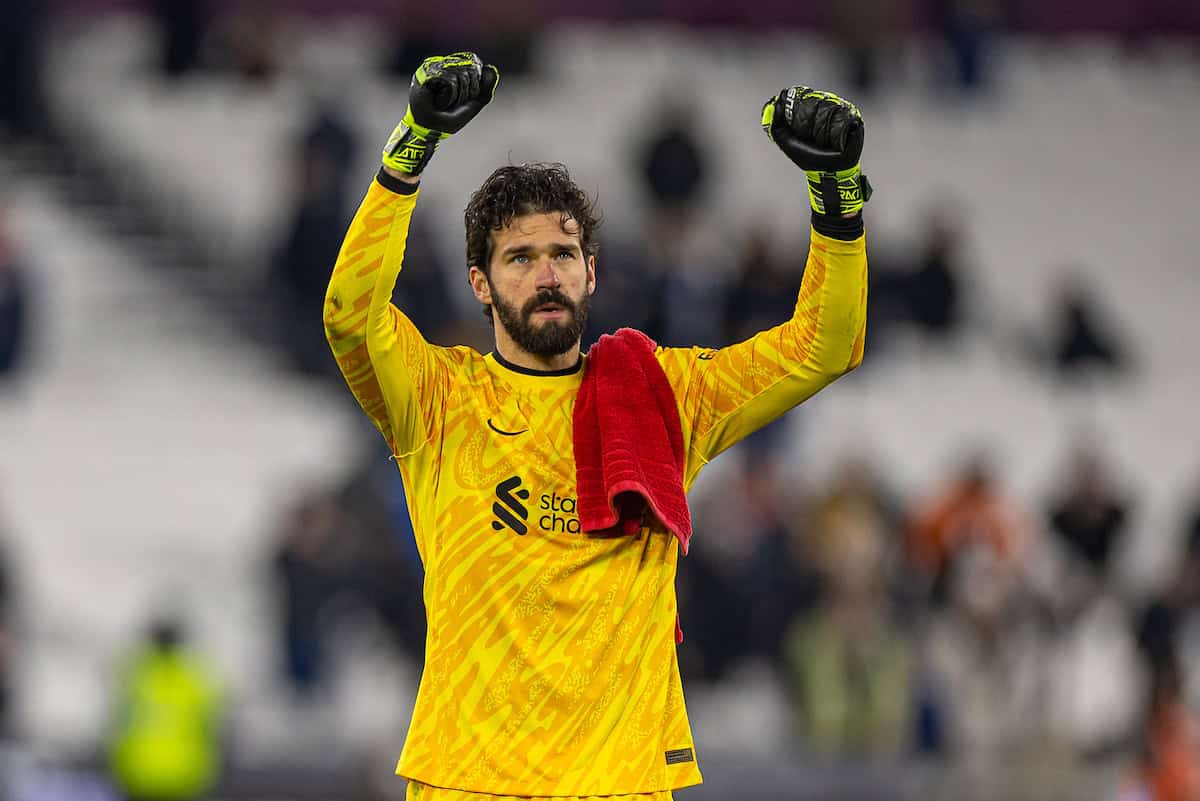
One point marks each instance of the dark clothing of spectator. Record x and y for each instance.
(674, 167)
(422, 290)
(762, 296)
(305, 588)
(633, 295)
(300, 273)
(13, 303)
(966, 27)
(779, 589)
(934, 295)
(1091, 529)
(6, 645)
(1156, 632)
(182, 25)
(713, 617)
(1082, 341)
(21, 38)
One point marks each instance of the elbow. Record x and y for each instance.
(333, 314)
(847, 359)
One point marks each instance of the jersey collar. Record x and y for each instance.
(506, 364)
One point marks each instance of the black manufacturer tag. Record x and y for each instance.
(679, 755)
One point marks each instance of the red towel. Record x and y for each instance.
(629, 443)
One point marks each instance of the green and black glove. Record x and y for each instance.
(823, 135)
(447, 92)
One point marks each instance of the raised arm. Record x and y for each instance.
(374, 343)
(725, 395)
(394, 374)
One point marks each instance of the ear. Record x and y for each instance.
(591, 275)
(480, 286)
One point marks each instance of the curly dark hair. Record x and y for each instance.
(517, 190)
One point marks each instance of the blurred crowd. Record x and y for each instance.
(953, 625)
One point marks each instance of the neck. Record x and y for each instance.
(514, 354)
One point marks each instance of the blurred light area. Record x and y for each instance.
(155, 436)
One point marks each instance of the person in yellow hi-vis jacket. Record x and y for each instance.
(550, 662)
(166, 745)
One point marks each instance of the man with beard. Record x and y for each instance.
(550, 670)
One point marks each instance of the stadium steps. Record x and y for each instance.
(146, 456)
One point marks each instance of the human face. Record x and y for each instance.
(539, 287)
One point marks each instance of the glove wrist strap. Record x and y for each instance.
(838, 193)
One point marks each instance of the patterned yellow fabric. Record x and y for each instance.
(550, 665)
(423, 792)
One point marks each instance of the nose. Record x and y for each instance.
(546, 276)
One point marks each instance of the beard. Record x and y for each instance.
(551, 337)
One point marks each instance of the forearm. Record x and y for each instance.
(369, 262)
(829, 320)
(726, 395)
(358, 315)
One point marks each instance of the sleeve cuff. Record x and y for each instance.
(845, 228)
(393, 184)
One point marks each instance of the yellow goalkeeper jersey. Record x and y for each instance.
(550, 664)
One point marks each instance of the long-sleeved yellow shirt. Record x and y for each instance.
(550, 663)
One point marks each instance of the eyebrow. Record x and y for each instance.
(516, 250)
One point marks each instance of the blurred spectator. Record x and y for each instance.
(727, 605)
(858, 489)
(166, 742)
(21, 51)
(633, 292)
(253, 36)
(972, 510)
(864, 30)
(713, 618)
(1094, 681)
(14, 304)
(1168, 767)
(849, 666)
(779, 580)
(7, 646)
(984, 656)
(1082, 341)
(505, 34)
(1089, 515)
(690, 260)
(1168, 629)
(673, 166)
(182, 26)
(934, 290)
(967, 28)
(300, 273)
(927, 292)
(383, 565)
(762, 295)
(423, 291)
(307, 579)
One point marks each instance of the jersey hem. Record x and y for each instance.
(412, 777)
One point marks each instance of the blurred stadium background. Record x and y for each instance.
(970, 570)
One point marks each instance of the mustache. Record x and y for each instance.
(548, 296)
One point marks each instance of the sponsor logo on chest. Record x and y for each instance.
(513, 509)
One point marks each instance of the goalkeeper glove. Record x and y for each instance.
(823, 135)
(447, 92)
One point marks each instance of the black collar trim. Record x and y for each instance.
(505, 363)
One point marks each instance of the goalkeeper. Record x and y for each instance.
(550, 669)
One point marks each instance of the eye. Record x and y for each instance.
(520, 258)
(564, 253)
